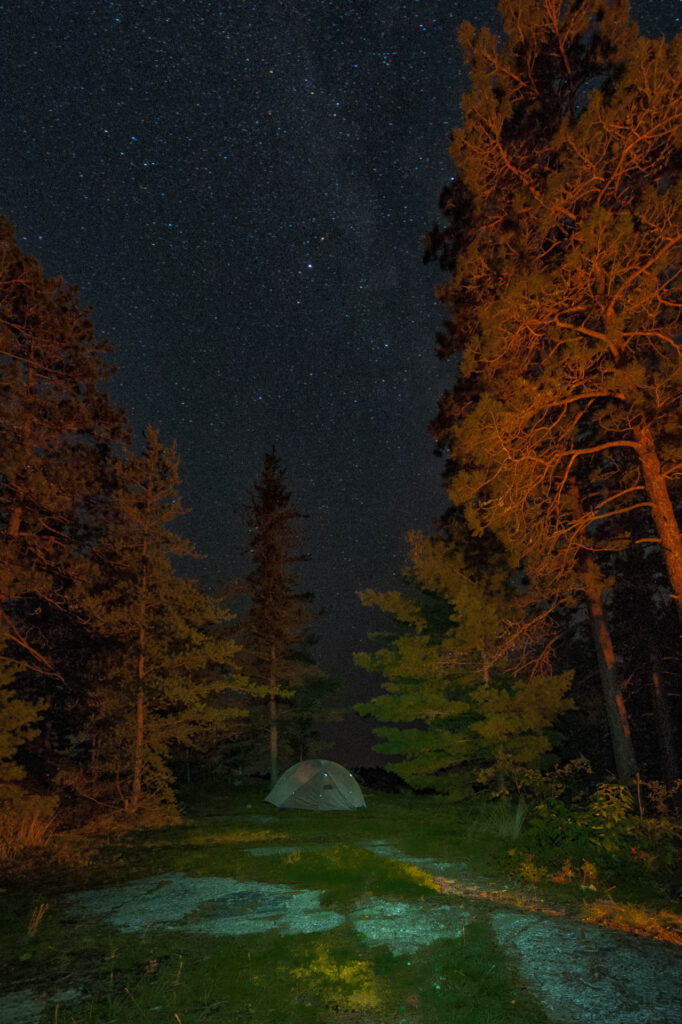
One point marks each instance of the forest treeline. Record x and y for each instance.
(539, 626)
(112, 662)
(543, 617)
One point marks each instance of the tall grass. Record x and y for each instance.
(503, 819)
(21, 833)
(663, 925)
(37, 914)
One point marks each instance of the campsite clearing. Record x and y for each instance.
(298, 918)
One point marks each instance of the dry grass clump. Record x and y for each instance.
(655, 924)
(32, 835)
(240, 835)
(26, 830)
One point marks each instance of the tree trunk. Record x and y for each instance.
(14, 523)
(662, 511)
(616, 712)
(138, 758)
(273, 721)
(664, 726)
(16, 515)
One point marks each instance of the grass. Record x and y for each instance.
(330, 977)
(297, 980)
(663, 925)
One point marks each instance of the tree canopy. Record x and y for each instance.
(450, 673)
(563, 245)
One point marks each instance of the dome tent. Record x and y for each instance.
(316, 785)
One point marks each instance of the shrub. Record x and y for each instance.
(610, 817)
(604, 831)
(530, 871)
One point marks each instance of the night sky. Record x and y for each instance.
(240, 190)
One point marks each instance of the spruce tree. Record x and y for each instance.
(56, 426)
(274, 632)
(55, 421)
(164, 664)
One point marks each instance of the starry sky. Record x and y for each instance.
(240, 189)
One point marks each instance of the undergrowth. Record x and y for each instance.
(663, 925)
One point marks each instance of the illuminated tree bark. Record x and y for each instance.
(662, 511)
(565, 253)
(563, 243)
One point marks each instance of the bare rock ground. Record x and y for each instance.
(582, 974)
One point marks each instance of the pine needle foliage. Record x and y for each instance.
(275, 632)
(164, 664)
(469, 717)
(564, 249)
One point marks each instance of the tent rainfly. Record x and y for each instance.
(316, 785)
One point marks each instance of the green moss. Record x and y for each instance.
(344, 873)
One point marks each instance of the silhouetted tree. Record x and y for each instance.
(274, 632)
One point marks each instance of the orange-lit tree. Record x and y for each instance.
(164, 664)
(563, 244)
(54, 417)
(56, 425)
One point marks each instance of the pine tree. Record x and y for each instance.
(564, 290)
(56, 426)
(564, 249)
(452, 675)
(164, 665)
(55, 423)
(275, 630)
